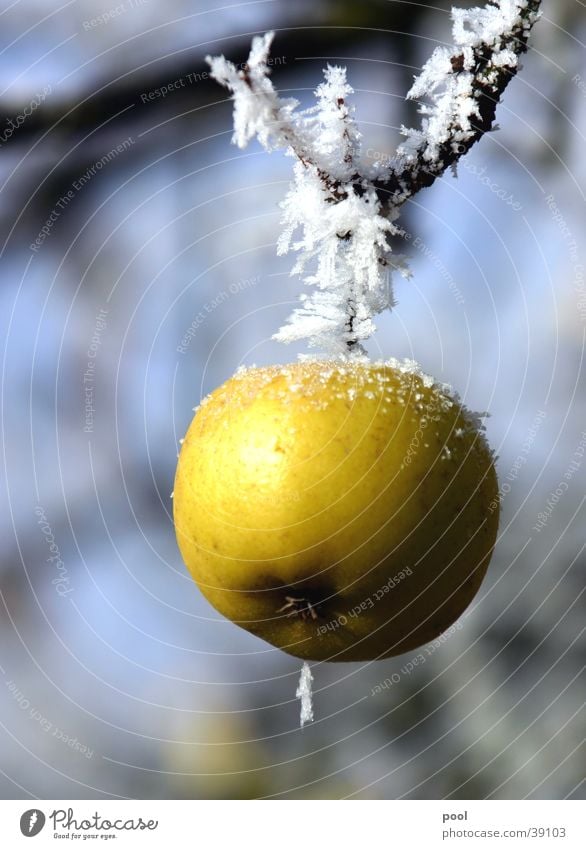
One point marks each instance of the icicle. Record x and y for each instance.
(340, 212)
(304, 693)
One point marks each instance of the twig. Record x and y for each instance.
(346, 210)
(471, 79)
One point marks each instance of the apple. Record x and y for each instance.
(340, 509)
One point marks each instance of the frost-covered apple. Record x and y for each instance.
(337, 508)
(343, 509)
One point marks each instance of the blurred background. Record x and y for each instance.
(138, 271)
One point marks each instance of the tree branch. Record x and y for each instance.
(345, 210)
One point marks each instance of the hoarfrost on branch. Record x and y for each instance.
(339, 211)
(305, 695)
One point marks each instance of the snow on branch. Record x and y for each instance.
(339, 211)
(305, 695)
(464, 85)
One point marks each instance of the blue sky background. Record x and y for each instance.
(132, 665)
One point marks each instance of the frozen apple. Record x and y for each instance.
(342, 510)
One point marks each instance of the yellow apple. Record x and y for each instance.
(342, 509)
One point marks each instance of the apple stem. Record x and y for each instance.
(304, 693)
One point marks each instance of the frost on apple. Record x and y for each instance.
(340, 211)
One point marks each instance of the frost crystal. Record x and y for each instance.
(347, 242)
(339, 212)
(304, 693)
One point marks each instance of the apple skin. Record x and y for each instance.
(327, 481)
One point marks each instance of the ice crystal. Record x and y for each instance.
(457, 81)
